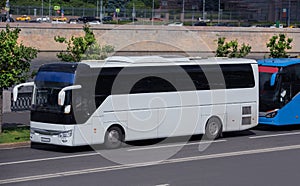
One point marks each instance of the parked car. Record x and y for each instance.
(94, 22)
(58, 22)
(34, 21)
(156, 19)
(63, 19)
(88, 19)
(203, 20)
(73, 21)
(200, 23)
(275, 26)
(107, 18)
(175, 24)
(43, 19)
(23, 18)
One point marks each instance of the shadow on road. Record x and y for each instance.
(57, 148)
(238, 134)
(277, 128)
(138, 143)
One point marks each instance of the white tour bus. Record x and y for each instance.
(144, 97)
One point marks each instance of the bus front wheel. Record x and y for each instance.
(213, 128)
(113, 138)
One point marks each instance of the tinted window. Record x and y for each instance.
(152, 84)
(238, 76)
(296, 87)
(133, 80)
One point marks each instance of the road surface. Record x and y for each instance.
(262, 156)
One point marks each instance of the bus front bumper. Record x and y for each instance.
(64, 138)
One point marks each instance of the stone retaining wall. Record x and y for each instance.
(130, 39)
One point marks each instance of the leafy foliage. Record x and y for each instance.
(278, 46)
(96, 52)
(62, 3)
(2, 4)
(14, 58)
(79, 48)
(230, 49)
(136, 4)
(110, 4)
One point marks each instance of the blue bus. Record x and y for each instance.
(279, 98)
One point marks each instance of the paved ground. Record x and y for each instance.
(16, 118)
(261, 156)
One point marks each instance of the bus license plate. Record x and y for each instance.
(45, 139)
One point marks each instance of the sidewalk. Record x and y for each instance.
(12, 119)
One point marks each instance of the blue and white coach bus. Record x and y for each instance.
(279, 97)
(133, 98)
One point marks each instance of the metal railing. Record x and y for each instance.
(262, 12)
(23, 102)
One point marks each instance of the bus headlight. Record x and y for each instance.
(272, 114)
(32, 131)
(65, 134)
(67, 109)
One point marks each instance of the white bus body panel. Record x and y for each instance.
(152, 115)
(82, 133)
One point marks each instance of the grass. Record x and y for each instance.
(12, 135)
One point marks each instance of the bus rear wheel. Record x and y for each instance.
(213, 128)
(114, 138)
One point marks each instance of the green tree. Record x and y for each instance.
(76, 46)
(138, 4)
(14, 61)
(2, 4)
(149, 3)
(278, 46)
(86, 47)
(97, 52)
(231, 49)
(62, 3)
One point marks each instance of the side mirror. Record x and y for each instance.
(62, 93)
(16, 89)
(273, 79)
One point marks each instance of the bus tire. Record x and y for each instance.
(213, 128)
(114, 138)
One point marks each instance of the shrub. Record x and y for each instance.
(230, 49)
(278, 46)
(86, 47)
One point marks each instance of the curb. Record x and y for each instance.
(15, 145)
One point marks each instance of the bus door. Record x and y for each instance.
(233, 117)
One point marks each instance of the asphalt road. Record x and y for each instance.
(262, 156)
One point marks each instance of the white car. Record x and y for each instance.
(58, 22)
(274, 26)
(204, 20)
(94, 23)
(176, 24)
(43, 19)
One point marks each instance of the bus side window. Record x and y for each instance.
(296, 84)
(286, 78)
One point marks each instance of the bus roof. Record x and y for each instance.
(122, 61)
(278, 62)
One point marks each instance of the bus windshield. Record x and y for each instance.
(268, 94)
(48, 85)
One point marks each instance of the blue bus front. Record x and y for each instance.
(279, 98)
